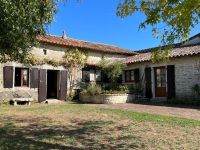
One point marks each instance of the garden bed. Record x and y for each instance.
(107, 98)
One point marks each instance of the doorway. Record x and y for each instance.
(52, 84)
(160, 82)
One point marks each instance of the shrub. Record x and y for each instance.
(92, 90)
(113, 70)
(196, 89)
(195, 102)
(110, 89)
(4, 102)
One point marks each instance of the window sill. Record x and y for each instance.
(21, 87)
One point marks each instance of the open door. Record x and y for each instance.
(52, 84)
(63, 85)
(42, 89)
(160, 82)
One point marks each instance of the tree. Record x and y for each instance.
(113, 70)
(21, 21)
(171, 19)
(73, 60)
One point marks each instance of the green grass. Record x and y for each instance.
(79, 126)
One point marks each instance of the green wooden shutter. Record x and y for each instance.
(137, 75)
(8, 76)
(34, 78)
(170, 81)
(148, 89)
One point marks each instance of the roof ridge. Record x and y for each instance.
(66, 41)
(175, 52)
(92, 42)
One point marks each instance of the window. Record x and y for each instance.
(45, 51)
(161, 77)
(98, 75)
(85, 75)
(91, 75)
(129, 76)
(21, 77)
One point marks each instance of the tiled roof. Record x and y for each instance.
(176, 52)
(60, 41)
(176, 45)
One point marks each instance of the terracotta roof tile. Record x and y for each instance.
(58, 40)
(176, 52)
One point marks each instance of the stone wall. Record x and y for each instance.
(54, 53)
(186, 74)
(57, 53)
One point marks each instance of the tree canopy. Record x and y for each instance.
(20, 22)
(171, 19)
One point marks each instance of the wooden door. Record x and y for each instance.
(63, 85)
(160, 82)
(42, 90)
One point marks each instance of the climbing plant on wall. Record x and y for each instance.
(73, 60)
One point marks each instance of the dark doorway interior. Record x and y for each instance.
(52, 81)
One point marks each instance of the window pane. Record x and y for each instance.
(21, 77)
(85, 76)
(161, 77)
(132, 75)
(98, 75)
(24, 77)
(92, 75)
(127, 75)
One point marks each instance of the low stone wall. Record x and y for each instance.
(8, 94)
(107, 98)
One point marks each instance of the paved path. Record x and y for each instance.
(190, 113)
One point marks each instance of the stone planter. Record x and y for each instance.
(107, 98)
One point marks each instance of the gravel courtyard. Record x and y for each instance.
(190, 113)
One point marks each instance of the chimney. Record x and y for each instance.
(64, 34)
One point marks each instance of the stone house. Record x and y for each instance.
(46, 81)
(171, 79)
(157, 80)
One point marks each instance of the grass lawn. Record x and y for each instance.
(78, 126)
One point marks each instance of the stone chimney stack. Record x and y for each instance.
(64, 35)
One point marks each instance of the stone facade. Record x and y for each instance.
(49, 52)
(57, 53)
(187, 73)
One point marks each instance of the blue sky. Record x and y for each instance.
(96, 21)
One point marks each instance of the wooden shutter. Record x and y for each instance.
(137, 75)
(148, 89)
(42, 89)
(34, 78)
(8, 76)
(170, 81)
(63, 85)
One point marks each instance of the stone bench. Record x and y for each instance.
(26, 100)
